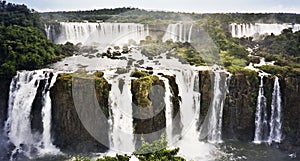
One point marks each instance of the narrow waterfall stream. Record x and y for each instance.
(275, 122)
(261, 125)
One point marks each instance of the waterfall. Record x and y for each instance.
(98, 33)
(275, 123)
(23, 90)
(178, 32)
(169, 118)
(46, 142)
(120, 119)
(261, 125)
(212, 125)
(247, 30)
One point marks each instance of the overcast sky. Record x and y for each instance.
(198, 6)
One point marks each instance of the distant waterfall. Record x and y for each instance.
(97, 33)
(178, 32)
(120, 119)
(23, 90)
(247, 30)
(275, 122)
(261, 124)
(212, 125)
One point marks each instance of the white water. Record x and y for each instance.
(261, 125)
(212, 125)
(247, 30)
(190, 146)
(46, 143)
(97, 33)
(178, 32)
(169, 118)
(120, 119)
(23, 89)
(275, 123)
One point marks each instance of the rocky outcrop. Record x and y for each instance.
(77, 101)
(149, 119)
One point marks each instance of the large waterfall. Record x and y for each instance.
(96, 33)
(275, 122)
(121, 120)
(248, 29)
(179, 32)
(212, 125)
(23, 90)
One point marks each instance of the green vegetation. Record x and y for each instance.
(161, 17)
(23, 45)
(233, 55)
(284, 49)
(185, 52)
(156, 151)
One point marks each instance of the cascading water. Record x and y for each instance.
(211, 128)
(261, 124)
(178, 32)
(99, 33)
(241, 30)
(23, 90)
(169, 127)
(190, 146)
(46, 143)
(120, 120)
(275, 122)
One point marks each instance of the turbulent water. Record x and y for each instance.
(121, 120)
(247, 30)
(23, 90)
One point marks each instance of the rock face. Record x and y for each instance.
(70, 115)
(240, 106)
(4, 95)
(148, 108)
(290, 87)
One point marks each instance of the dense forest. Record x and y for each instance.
(128, 14)
(23, 44)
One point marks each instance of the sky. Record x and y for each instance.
(197, 6)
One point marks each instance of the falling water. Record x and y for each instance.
(46, 142)
(212, 125)
(178, 32)
(275, 123)
(169, 127)
(121, 121)
(23, 90)
(241, 30)
(261, 124)
(103, 33)
(190, 146)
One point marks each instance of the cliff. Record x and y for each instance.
(76, 102)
